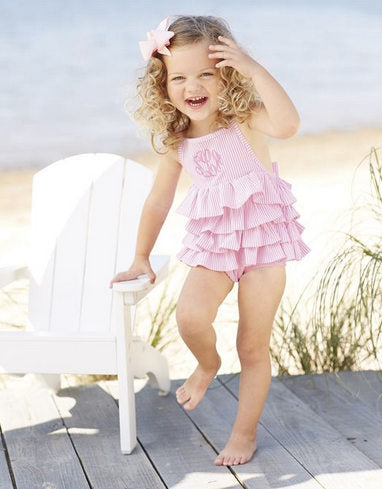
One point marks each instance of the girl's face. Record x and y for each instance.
(193, 82)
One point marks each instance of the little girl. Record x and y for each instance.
(211, 106)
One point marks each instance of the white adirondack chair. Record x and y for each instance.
(85, 215)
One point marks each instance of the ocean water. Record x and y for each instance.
(68, 66)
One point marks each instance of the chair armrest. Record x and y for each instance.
(9, 274)
(134, 290)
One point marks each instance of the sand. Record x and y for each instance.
(325, 179)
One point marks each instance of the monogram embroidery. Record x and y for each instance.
(207, 162)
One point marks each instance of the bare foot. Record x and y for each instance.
(238, 450)
(192, 391)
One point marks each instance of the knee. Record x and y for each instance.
(253, 354)
(191, 322)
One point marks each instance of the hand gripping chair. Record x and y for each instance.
(85, 215)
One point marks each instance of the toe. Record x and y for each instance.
(179, 392)
(227, 460)
(219, 460)
(189, 405)
(231, 460)
(182, 396)
(236, 460)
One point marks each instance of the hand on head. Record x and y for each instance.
(232, 55)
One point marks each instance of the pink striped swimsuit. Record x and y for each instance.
(240, 214)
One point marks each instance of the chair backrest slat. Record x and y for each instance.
(138, 181)
(69, 267)
(102, 242)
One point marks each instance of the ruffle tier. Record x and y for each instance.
(250, 215)
(263, 235)
(262, 187)
(248, 221)
(232, 260)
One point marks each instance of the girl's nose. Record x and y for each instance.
(193, 86)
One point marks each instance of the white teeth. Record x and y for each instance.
(195, 99)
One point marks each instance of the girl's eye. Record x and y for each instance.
(207, 74)
(177, 78)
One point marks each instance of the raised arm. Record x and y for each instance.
(277, 115)
(154, 213)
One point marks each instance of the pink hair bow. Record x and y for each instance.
(157, 40)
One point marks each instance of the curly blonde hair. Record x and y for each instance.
(238, 97)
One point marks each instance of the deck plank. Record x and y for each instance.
(321, 449)
(366, 386)
(178, 450)
(272, 465)
(91, 416)
(5, 477)
(342, 410)
(39, 447)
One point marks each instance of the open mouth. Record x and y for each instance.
(196, 102)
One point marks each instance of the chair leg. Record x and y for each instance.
(127, 421)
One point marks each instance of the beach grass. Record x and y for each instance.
(344, 329)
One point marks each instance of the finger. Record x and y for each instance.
(227, 41)
(225, 62)
(220, 54)
(123, 277)
(112, 283)
(221, 47)
(152, 278)
(232, 45)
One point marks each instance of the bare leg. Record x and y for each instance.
(260, 292)
(202, 293)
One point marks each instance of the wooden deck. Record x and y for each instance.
(321, 431)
